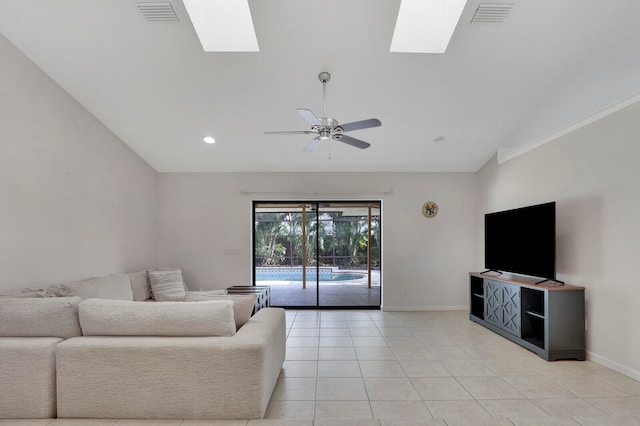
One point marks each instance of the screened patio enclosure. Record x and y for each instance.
(318, 254)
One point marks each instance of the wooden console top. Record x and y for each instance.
(526, 282)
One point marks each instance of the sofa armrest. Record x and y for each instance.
(267, 328)
(173, 377)
(28, 377)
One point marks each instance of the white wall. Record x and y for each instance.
(593, 174)
(75, 201)
(206, 218)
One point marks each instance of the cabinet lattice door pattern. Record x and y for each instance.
(511, 308)
(492, 299)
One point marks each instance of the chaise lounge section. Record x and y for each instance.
(160, 377)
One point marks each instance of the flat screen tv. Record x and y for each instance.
(522, 241)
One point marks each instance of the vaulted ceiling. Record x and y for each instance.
(500, 87)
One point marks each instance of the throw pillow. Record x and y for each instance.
(166, 285)
(116, 286)
(222, 292)
(140, 285)
(184, 284)
(101, 317)
(243, 304)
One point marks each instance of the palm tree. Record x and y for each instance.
(271, 237)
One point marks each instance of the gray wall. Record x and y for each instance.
(593, 174)
(74, 200)
(205, 227)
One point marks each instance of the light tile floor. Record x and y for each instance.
(362, 368)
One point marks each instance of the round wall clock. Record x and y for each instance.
(430, 209)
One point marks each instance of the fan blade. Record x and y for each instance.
(312, 145)
(290, 132)
(364, 124)
(352, 141)
(310, 117)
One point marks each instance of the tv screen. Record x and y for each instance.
(522, 241)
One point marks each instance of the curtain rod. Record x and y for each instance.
(313, 193)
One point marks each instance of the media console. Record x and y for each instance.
(547, 319)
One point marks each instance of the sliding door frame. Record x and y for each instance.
(317, 205)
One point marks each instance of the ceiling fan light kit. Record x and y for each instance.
(328, 128)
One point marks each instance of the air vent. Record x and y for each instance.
(157, 11)
(492, 12)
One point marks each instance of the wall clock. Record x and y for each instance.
(430, 209)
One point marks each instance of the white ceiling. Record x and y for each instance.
(551, 65)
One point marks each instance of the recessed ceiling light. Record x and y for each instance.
(209, 139)
(223, 25)
(426, 26)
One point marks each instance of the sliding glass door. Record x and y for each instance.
(284, 252)
(349, 234)
(318, 254)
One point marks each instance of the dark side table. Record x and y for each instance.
(263, 293)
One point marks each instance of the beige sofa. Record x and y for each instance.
(133, 359)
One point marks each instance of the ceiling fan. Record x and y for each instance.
(328, 128)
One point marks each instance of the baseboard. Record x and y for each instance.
(423, 308)
(616, 366)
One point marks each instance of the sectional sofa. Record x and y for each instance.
(104, 351)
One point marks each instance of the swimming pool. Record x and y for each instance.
(277, 274)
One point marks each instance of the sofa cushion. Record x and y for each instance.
(102, 317)
(117, 287)
(40, 317)
(208, 293)
(140, 285)
(166, 285)
(243, 304)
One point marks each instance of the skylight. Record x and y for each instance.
(223, 25)
(426, 26)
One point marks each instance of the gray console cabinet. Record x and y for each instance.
(547, 319)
